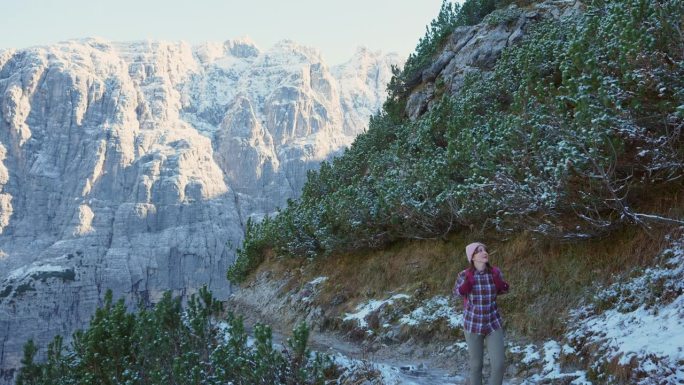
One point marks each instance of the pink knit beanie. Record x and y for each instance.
(470, 250)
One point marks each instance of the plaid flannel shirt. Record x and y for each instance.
(480, 315)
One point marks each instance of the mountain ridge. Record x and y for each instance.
(134, 166)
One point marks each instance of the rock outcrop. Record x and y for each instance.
(478, 47)
(135, 166)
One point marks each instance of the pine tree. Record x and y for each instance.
(30, 373)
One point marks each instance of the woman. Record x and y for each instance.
(479, 285)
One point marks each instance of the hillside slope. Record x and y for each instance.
(567, 136)
(552, 132)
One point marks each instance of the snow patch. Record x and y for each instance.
(318, 281)
(643, 332)
(362, 310)
(644, 323)
(551, 368)
(530, 354)
(36, 267)
(433, 310)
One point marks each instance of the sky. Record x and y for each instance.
(336, 28)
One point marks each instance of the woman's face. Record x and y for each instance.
(481, 254)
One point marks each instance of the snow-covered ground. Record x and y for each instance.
(548, 359)
(419, 313)
(637, 324)
(631, 332)
(365, 309)
(436, 308)
(388, 374)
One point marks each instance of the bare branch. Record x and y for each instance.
(658, 218)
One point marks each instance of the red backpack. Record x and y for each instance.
(501, 285)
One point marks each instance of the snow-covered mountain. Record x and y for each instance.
(134, 166)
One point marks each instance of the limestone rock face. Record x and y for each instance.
(478, 47)
(134, 166)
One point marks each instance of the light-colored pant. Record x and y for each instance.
(495, 349)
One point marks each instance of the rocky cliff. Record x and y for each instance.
(476, 48)
(135, 166)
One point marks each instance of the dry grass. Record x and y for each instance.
(547, 278)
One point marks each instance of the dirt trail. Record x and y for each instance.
(396, 368)
(406, 364)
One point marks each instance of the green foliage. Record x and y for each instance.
(502, 16)
(23, 288)
(30, 372)
(562, 138)
(6, 291)
(65, 275)
(257, 245)
(473, 11)
(436, 33)
(167, 345)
